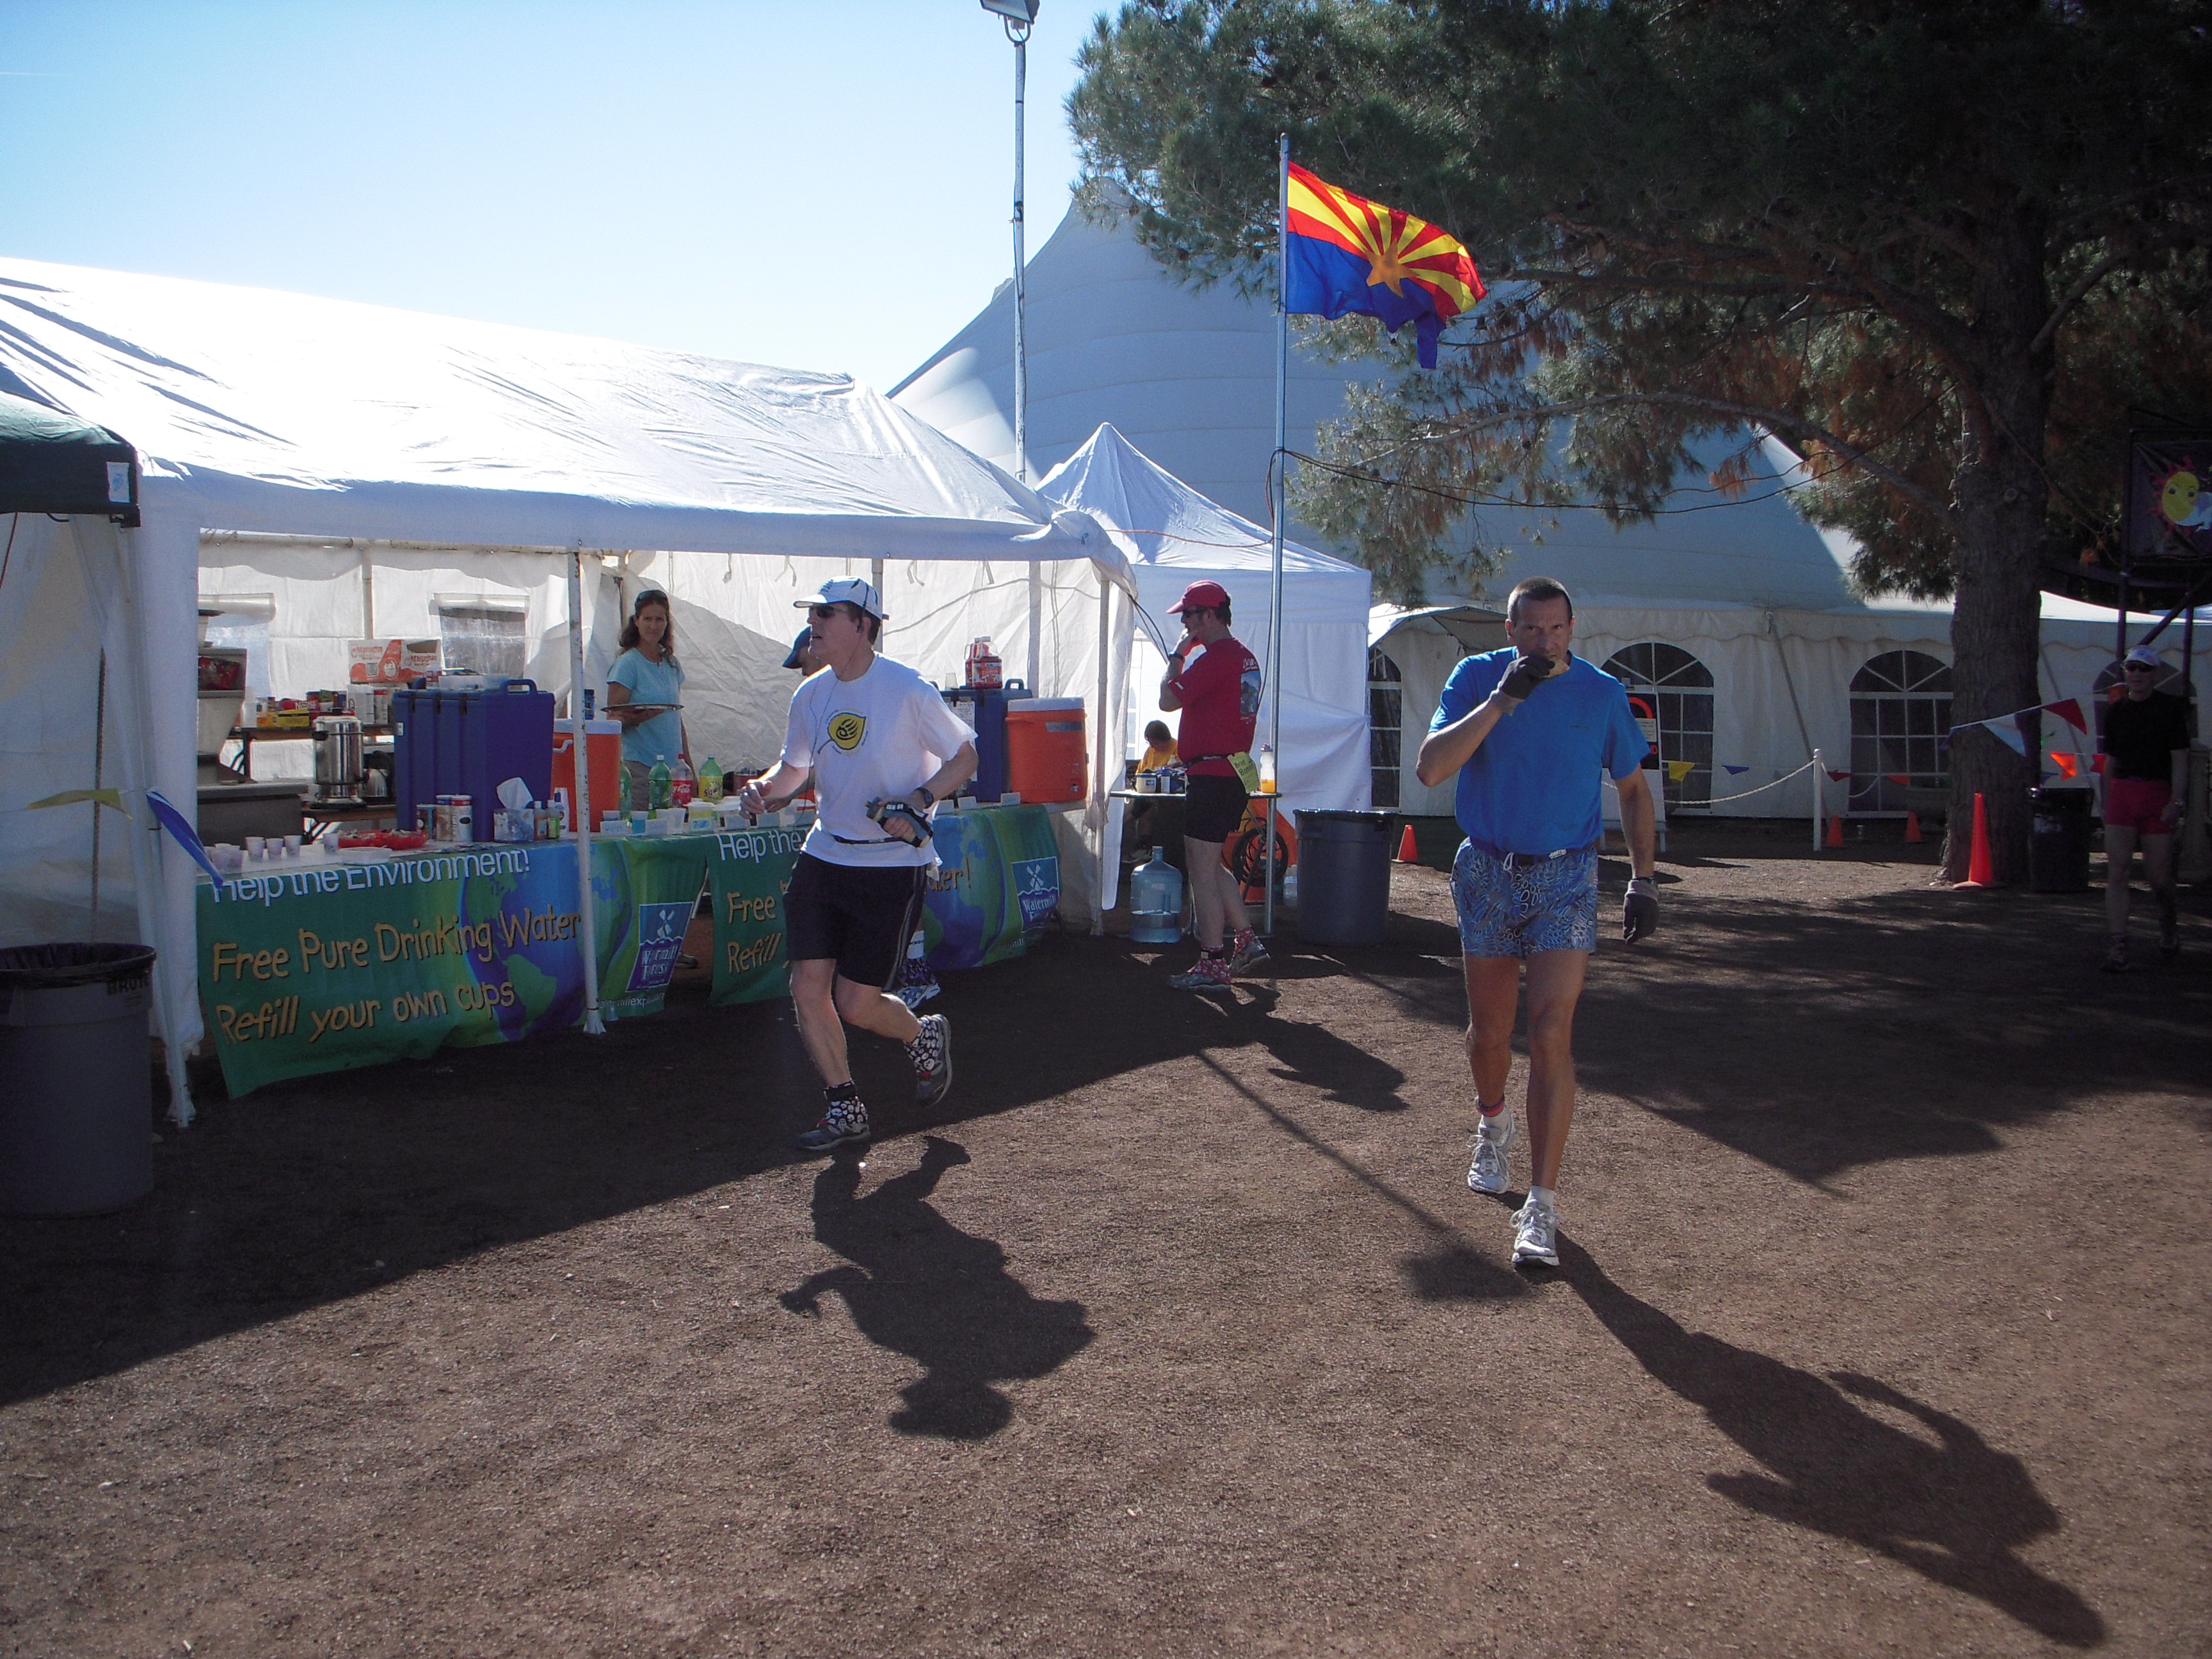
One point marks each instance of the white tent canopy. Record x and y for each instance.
(1172, 536)
(319, 420)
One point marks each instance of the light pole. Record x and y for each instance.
(1020, 16)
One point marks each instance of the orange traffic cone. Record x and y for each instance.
(1407, 854)
(1835, 829)
(1979, 871)
(1912, 828)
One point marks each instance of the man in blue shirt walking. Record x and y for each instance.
(1529, 730)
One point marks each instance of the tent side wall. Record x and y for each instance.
(49, 616)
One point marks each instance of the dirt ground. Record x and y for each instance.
(1881, 1325)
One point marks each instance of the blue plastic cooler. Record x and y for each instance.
(984, 708)
(469, 743)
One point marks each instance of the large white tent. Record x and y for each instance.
(452, 451)
(1754, 595)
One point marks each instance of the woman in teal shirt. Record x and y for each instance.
(648, 672)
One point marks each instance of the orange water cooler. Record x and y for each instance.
(606, 739)
(1047, 754)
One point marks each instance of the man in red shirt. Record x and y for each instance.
(1215, 682)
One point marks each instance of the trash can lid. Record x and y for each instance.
(1342, 814)
(50, 967)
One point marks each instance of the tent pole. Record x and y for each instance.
(581, 806)
(367, 591)
(99, 781)
(1100, 803)
(1277, 497)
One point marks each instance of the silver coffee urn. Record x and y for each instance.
(338, 761)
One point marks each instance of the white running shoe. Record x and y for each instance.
(1492, 1169)
(1535, 1236)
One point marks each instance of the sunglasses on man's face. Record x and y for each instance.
(2139, 668)
(825, 613)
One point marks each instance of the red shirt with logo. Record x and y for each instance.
(1219, 691)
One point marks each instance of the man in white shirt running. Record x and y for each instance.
(882, 749)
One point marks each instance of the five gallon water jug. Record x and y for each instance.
(1156, 902)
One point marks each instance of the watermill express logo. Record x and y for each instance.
(847, 730)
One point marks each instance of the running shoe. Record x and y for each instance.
(1246, 953)
(2116, 959)
(931, 1054)
(1207, 974)
(845, 1124)
(1492, 1169)
(915, 995)
(1535, 1236)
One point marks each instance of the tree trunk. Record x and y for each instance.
(2001, 496)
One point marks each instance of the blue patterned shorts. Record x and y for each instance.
(1548, 905)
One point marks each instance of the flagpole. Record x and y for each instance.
(1280, 468)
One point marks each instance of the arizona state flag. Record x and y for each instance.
(1344, 253)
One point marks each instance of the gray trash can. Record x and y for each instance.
(77, 1089)
(1343, 876)
(2059, 850)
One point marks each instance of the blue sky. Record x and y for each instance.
(824, 185)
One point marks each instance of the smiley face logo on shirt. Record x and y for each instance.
(847, 730)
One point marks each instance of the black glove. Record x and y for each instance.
(1639, 910)
(1526, 675)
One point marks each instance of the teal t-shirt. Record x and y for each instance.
(661, 737)
(1534, 784)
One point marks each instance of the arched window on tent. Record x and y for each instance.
(1386, 713)
(2111, 685)
(1679, 691)
(1900, 710)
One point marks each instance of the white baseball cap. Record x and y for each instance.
(2145, 655)
(851, 590)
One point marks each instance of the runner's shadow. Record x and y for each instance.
(1310, 1055)
(917, 1285)
(1954, 1511)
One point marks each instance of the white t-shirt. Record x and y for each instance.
(885, 733)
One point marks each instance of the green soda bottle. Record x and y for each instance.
(621, 790)
(710, 781)
(663, 784)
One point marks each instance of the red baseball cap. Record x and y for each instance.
(1200, 596)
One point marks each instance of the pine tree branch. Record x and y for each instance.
(1758, 414)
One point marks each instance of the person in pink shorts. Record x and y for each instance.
(2146, 747)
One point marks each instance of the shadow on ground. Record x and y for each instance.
(1945, 1504)
(1819, 1038)
(915, 1284)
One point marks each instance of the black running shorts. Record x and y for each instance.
(858, 917)
(1215, 807)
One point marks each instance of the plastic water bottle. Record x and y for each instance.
(683, 783)
(622, 789)
(660, 780)
(1267, 769)
(1156, 902)
(710, 781)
